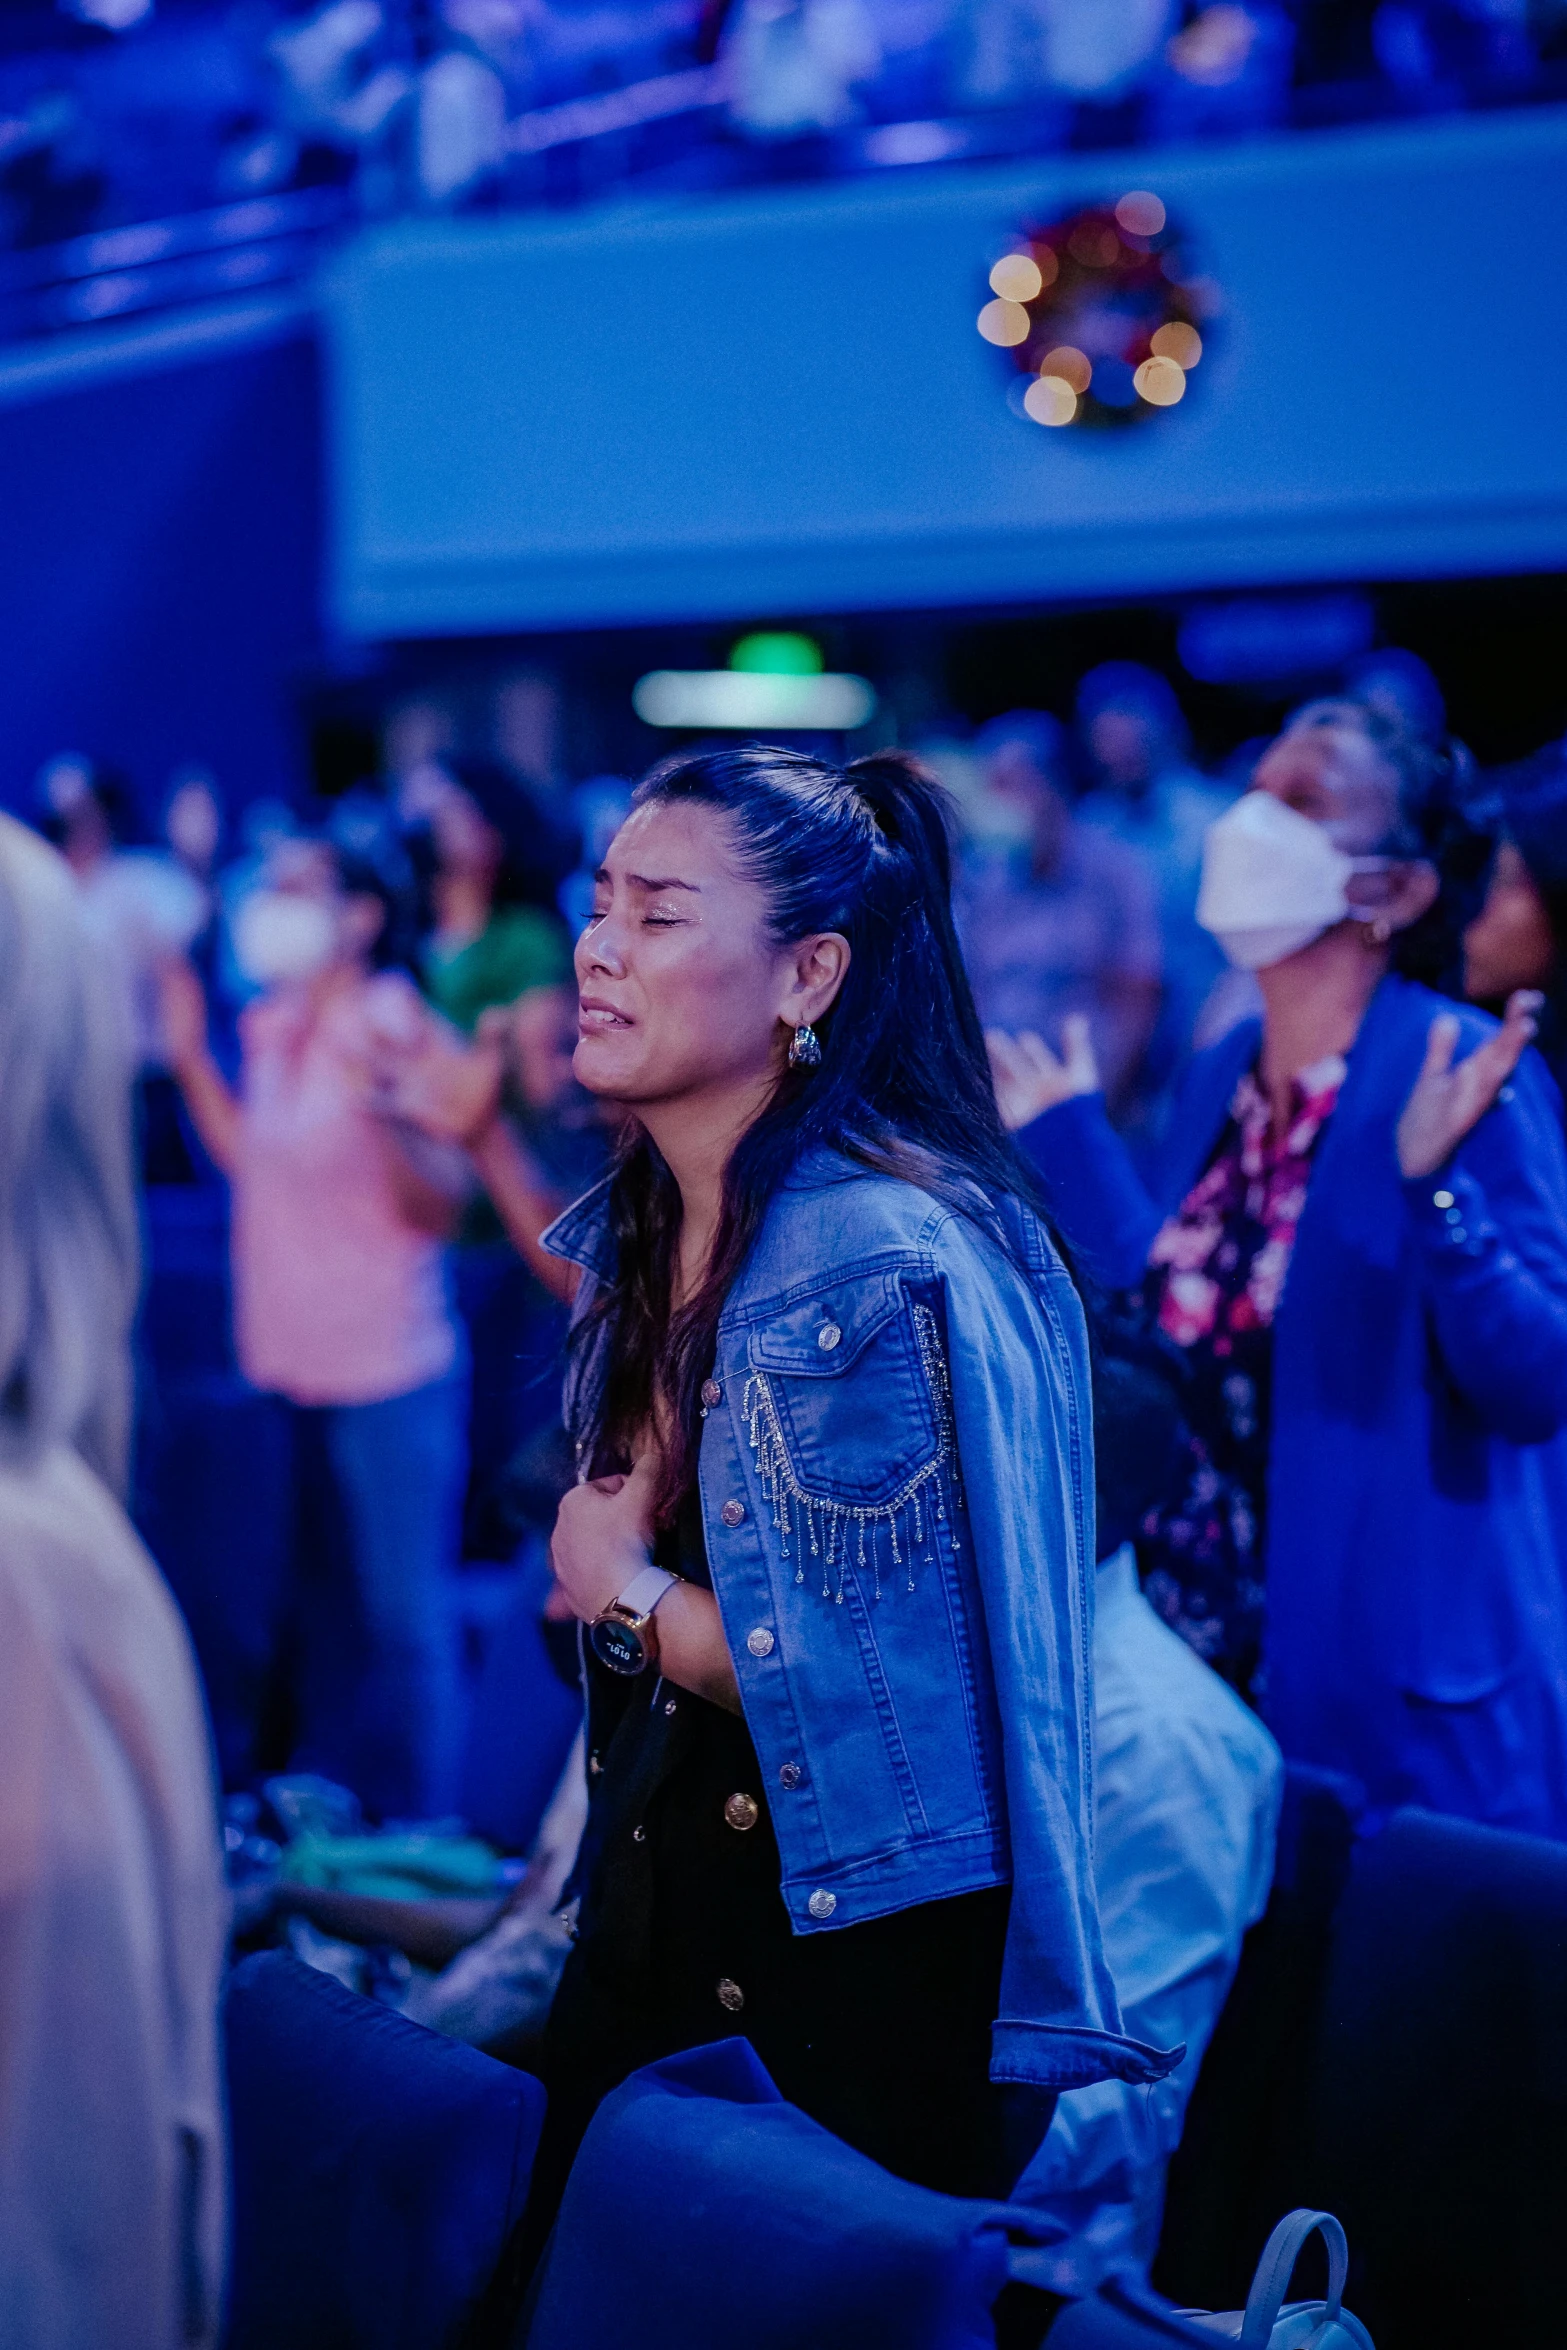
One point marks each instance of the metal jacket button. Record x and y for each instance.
(828, 1336)
(732, 1512)
(730, 1995)
(711, 1393)
(760, 1642)
(822, 1903)
(790, 1775)
(742, 1812)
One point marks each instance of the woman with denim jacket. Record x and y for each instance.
(1356, 1232)
(832, 1542)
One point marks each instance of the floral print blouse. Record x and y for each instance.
(1215, 1276)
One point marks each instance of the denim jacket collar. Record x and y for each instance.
(581, 1234)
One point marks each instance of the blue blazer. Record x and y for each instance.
(1417, 1482)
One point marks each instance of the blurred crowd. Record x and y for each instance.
(361, 1019)
(355, 1022)
(114, 112)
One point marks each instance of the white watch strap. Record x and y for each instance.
(643, 1593)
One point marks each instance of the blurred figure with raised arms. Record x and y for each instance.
(1357, 1236)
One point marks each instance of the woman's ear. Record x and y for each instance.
(816, 971)
(1413, 890)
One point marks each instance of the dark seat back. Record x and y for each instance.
(1438, 2120)
(1241, 2161)
(378, 2170)
(703, 2213)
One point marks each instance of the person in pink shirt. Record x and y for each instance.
(340, 1212)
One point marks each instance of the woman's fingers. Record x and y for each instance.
(638, 1492)
(1522, 1018)
(1448, 1101)
(1441, 1043)
(1036, 1056)
(1081, 1061)
(1006, 1061)
(1481, 1078)
(1030, 1078)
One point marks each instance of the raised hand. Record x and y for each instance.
(1030, 1078)
(443, 1085)
(1445, 1101)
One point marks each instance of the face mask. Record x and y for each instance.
(279, 935)
(1272, 881)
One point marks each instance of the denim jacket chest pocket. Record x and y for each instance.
(848, 1410)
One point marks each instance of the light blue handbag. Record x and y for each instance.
(1268, 2321)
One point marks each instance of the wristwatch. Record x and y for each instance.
(624, 1636)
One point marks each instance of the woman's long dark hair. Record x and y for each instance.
(903, 1087)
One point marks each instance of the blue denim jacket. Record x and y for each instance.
(897, 1494)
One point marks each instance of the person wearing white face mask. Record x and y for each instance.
(341, 1310)
(1356, 1233)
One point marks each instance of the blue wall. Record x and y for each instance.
(780, 402)
(159, 593)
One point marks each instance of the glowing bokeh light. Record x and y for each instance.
(1140, 214)
(1005, 323)
(778, 652)
(1160, 382)
(1177, 341)
(1072, 365)
(1046, 263)
(748, 702)
(1017, 278)
(1050, 399)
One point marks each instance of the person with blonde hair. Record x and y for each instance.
(112, 1907)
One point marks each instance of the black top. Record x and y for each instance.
(880, 2030)
(678, 1823)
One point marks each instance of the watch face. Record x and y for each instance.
(617, 1646)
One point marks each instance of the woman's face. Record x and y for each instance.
(1329, 769)
(1509, 943)
(1326, 767)
(680, 990)
(465, 841)
(193, 825)
(306, 869)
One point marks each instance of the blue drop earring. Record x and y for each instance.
(805, 1048)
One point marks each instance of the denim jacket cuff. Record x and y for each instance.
(1072, 2056)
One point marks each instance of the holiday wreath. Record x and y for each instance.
(1100, 313)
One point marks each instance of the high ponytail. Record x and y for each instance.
(903, 1086)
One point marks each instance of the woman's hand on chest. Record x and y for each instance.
(603, 1538)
